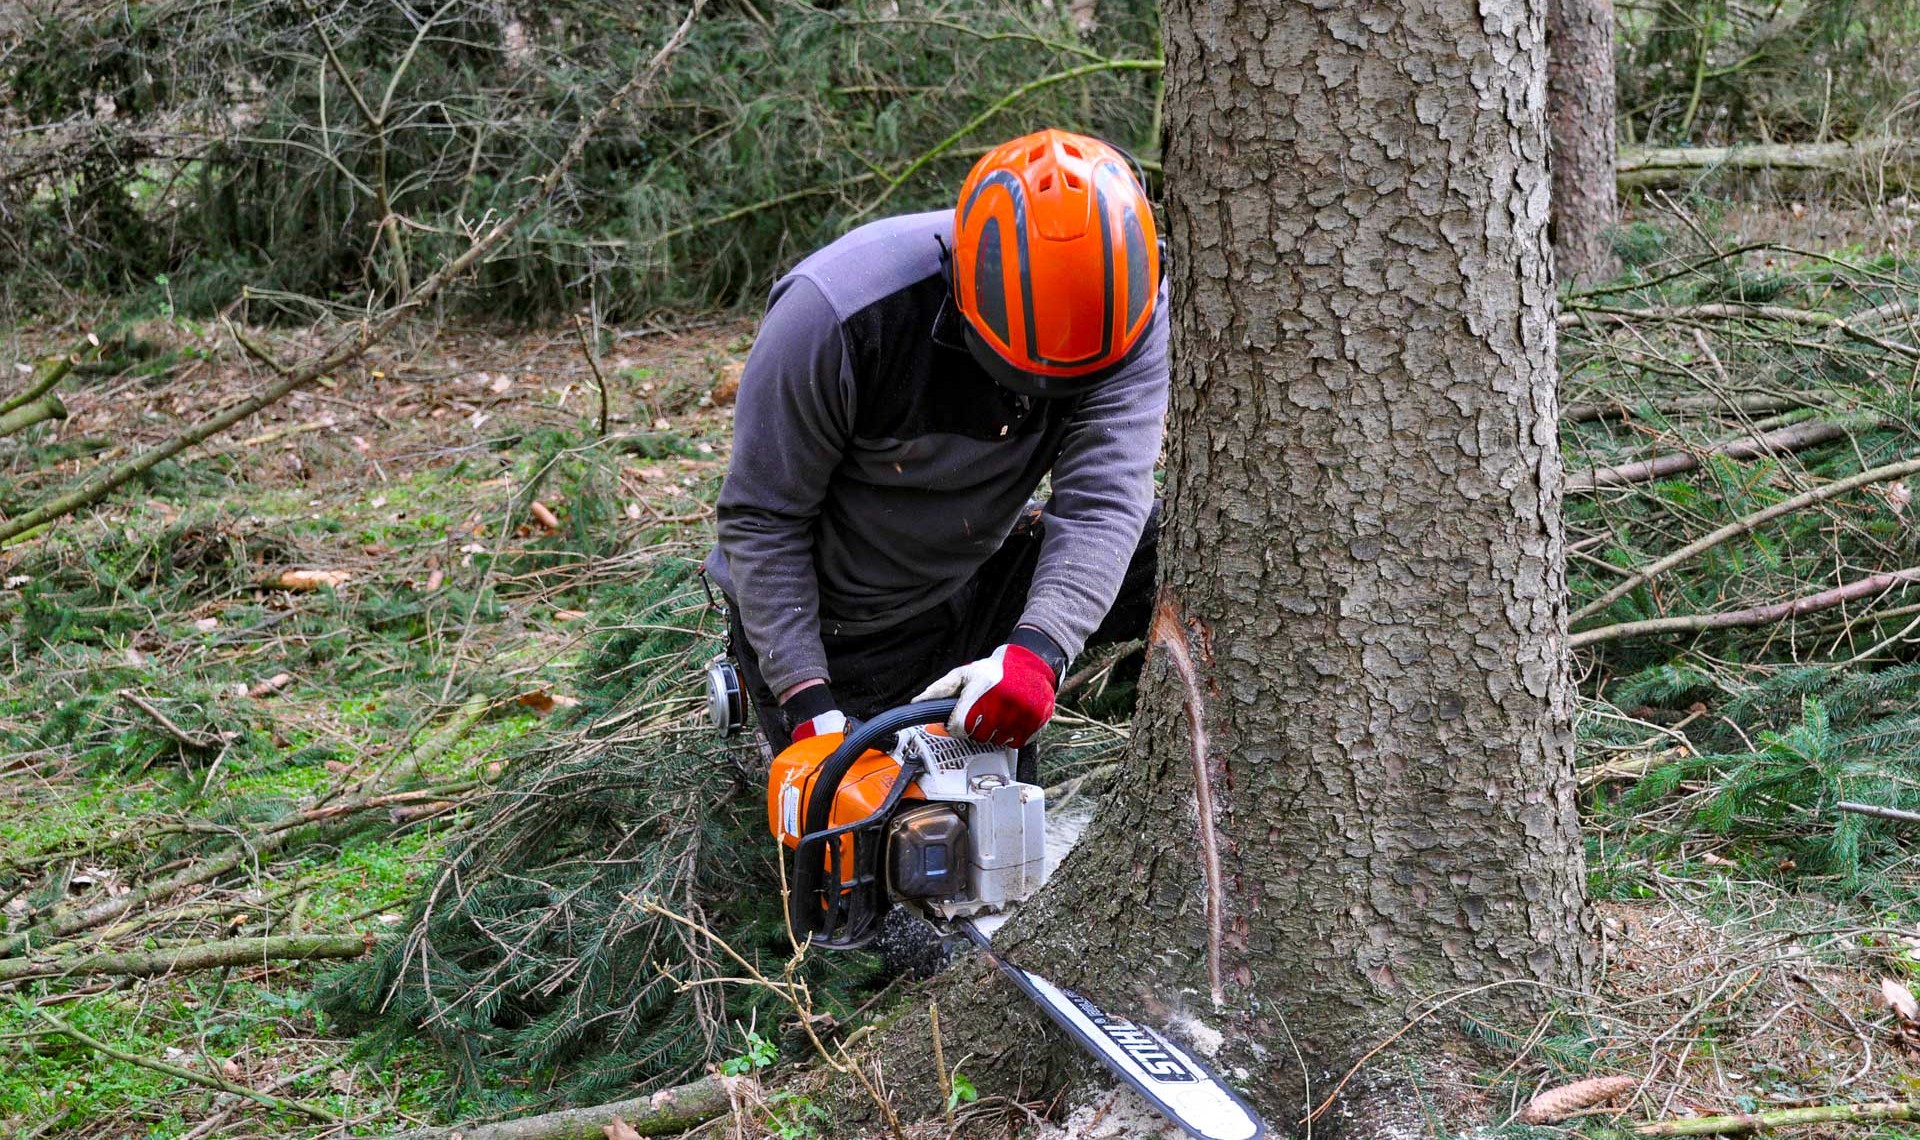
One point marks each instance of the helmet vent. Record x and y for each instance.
(1071, 150)
(1073, 182)
(1036, 154)
(1046, 183)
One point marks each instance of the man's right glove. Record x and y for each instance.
(1004, 698)
(812, 712)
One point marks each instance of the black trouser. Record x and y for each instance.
(873, 672)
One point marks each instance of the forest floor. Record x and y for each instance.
(170, 690)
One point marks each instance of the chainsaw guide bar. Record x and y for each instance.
(1178, 1084)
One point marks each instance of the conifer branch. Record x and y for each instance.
(1757, 615)
(1746, 525)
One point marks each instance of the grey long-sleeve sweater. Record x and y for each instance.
(875, 467)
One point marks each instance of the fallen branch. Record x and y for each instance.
(1648, 167)
(186, 739)
(56, 371)
(1746, 1122)
(1878, 812)
(210, 1080)
(1740, 312)
(1712, 311)
(1691, 405)
(351, 346)
(1746, 525)
(1798, 437)
(187, 959)
(662, 1114)
(47, 407)
(1758, 615)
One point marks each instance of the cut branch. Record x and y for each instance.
(351, 346)
(1798, 437)
(661, 1114)
(1758, 615)
(1746, 525)
(186, 959)
(1746, 1122)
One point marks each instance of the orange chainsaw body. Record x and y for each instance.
(861, 791)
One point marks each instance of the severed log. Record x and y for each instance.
(1740, 1124)
(1798, 437)
(1643, 168)
(47, 407)
(661, 1114)
(186, 959)
(354, 344)
(1757, 615)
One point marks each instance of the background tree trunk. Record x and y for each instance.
(1363, 563)
(1580, 106)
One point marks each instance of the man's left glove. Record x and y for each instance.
(812, 712)
(1007, 696)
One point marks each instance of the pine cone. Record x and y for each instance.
(1559, 1103)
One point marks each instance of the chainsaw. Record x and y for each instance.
(899, 811)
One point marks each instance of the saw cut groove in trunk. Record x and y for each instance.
(1171, 634)
(1798, 437)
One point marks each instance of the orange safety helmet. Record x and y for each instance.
(1055, 263)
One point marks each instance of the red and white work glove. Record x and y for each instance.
(1006, 697)
(811, 712)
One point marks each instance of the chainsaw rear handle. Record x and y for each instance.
(835, 767)
(816, 880)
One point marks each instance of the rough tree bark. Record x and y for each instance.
(1580, 107)
(1350, 788)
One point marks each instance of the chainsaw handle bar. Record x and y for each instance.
(835, 767)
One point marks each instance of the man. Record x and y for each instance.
(911, 386)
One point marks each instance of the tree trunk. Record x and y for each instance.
(1580, 108)
(1363, 593)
